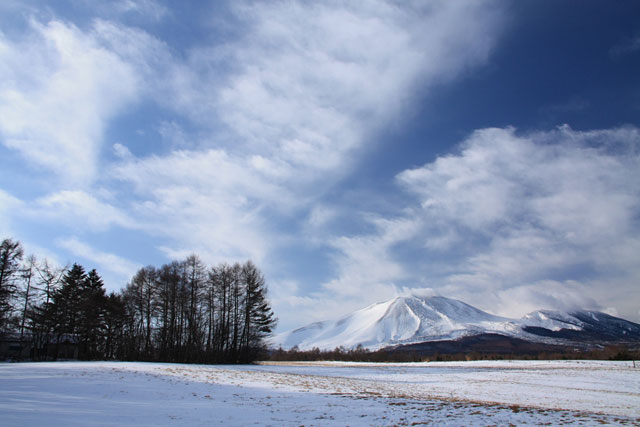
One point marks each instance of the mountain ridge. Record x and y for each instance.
(408, 320)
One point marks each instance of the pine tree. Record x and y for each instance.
(65, 308)
(91, 313)
(259, 319)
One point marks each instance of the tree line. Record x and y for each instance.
(394, 355)
(182, 311)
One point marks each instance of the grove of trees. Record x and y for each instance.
(183, 311)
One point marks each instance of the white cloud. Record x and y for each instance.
(626, 46)
(321, 215)
(520, 222)
(278, 115)
(527, 211)
(565, 296)
(106, 262)
(58, 88)
(11, 209)
(314, 81)
(81, 209)
(147, 8)
(366, 272)
(122, 152)
(300, 93)
(300, 90)
(149, 57)
(174, 134)
(366, 262)
(9, 205)
(208, 202)
(139, 10)
(284, 298)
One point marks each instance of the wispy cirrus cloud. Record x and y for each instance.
(8, 206)
(301, 90)
(313, 83)
(81, 209)
(265, 122)
(205, 201)
(626, 46)
(150, 9)
(59, 87)
(107, 264)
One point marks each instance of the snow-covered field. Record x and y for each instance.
(356, 394)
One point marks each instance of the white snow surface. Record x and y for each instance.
(320, 394)
(552, 320)
(406, 320)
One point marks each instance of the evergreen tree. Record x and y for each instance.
(64, 312)
(91, 313)
(259, 319)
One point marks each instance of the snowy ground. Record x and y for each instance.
(465, 393)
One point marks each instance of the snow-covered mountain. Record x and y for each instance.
(582, 325)
(413, 319)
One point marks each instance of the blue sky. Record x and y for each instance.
(487, 151)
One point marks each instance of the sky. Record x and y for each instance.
(487, 151)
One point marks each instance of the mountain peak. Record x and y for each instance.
(413, 319)
(401, 320)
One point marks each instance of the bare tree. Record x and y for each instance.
(28, 272)
(10, 256)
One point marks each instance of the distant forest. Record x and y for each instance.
(183, 311)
